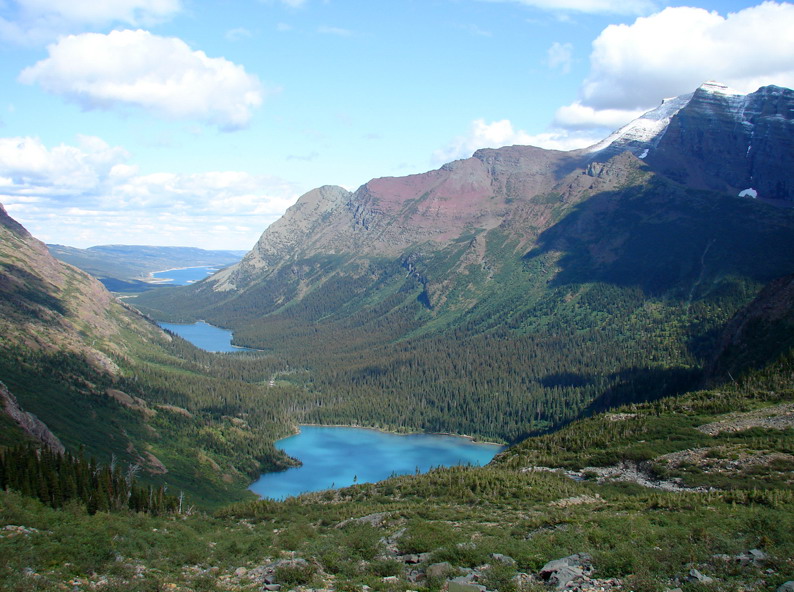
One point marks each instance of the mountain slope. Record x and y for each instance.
(81, 368)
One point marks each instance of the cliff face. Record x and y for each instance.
(732, 142)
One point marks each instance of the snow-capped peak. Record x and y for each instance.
(646, 129)
(718, 88)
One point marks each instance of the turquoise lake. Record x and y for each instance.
(183, 277)
(206, 336)
(336, 457)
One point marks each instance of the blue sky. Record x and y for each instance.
(184, 122)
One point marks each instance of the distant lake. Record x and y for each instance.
(336, 457)
(185, 276)
(205, 336)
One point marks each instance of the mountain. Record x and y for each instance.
(122, 268)
(520, 288)
(717, 138)
(83, 373)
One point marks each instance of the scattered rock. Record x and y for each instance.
(504, 559)
(575, 501)
(462, 585)
(12, 530)
(439, 570)
(561, 572)
(777, 417)
(376, 520)
(414, 558)
(696, 576)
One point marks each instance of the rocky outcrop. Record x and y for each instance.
(28, 422)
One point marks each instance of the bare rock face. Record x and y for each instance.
(388, 215)
(29, 423)
(727, 141)
(315, 219)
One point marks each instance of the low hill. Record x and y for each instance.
(125, 268)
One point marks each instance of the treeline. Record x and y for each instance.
(57, 479)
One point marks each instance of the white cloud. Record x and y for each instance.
(560, 56)
(90, 194)
(237, 34)
(672, 52)
(501, 133)
(161, 74)
(578, 116)
(588, 6)
(339, 32)
(40, 21)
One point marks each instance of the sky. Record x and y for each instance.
(197, 123)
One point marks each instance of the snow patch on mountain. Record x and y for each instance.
(646, 129)
(749, 192)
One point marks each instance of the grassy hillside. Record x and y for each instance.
(725, 512)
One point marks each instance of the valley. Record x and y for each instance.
(621, 317)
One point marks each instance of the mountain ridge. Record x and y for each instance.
(497, 284)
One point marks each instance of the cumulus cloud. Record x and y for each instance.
(160, 74)
(579, 116)
(502, 133)
(633, 67)
(588, 6)
(91, 194)
(560, 56)
(39, 21)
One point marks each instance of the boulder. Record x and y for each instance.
(696, 576)
(462, 585)
(561, 572)
(503, 559)
(786, 587)
(439, 570)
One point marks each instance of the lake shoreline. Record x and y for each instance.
(396, 433)
(150, 279)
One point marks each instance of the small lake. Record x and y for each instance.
(184, 276)
(205, 336)
(336, 457)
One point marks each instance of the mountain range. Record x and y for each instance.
(125, 268)
(621, 315)
(527, 285)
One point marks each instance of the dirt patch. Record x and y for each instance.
(778, 417)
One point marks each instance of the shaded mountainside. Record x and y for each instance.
(82, 371)
(517, 289)
(761, 331)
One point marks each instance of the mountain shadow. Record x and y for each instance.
(671, 241)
